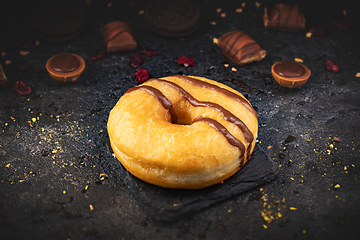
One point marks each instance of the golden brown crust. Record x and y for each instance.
(189, 153)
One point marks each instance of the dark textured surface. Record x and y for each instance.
(53, 142)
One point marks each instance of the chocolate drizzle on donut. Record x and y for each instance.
(224, 91)
(218, 126)
(159, 96)
(228, 116)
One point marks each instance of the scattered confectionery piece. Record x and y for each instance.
(284, 17)
(65, 67)
(118, 37)
(98, 55)
(3, 78)
(58, 20)
(135, 61)
(148, 52)
(290, 74)
(186, 61)
(240, 48)
(331, 66)
(22, 88)
(142, 75)
(176, 18)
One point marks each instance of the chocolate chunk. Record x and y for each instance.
(118, 37)
(175, 18)
(240, 48)
(65, 67)
(3, 78)
(281, 155)
(290, 74)
(300, 103)
(290, 138)
(65, 63)
(284, 17)
(58, 21)
(289, 69)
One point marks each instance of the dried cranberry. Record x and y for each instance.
(142, 75)
(135, 61)
(186, 61)
(332, 66)
(148, 52)
(22, 88)
(342, 23)
(317, 31)
(98, 55)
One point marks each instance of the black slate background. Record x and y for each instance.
(50, 169)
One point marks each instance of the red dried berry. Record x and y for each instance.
(98, 55)
(332, 66)
(142, 75)
(135, 61)
(148, 52)
(186, 61)
(317, 31)
(22, 88)
(342, 23)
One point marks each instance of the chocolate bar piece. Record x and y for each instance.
(290, 74)
(3, 78)
(240, 48)
(118, 37)
(284, 17)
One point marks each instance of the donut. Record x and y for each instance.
(182, 132)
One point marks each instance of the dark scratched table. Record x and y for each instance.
(59, 179)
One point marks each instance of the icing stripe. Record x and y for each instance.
(224, 91)
(159, 96)
(228, 116)
(219, 127)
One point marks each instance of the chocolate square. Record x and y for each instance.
(240, 48)
(284, 17)
(118, 37)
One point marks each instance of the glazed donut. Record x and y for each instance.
(182, 131)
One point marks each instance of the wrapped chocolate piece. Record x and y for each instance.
(118, 37)
(240, 48)
(284, 17)
(3, 78)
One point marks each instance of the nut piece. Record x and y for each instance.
(65, 67)
(290, 74)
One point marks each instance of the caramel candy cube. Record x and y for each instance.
(284, 17)
(118, 37)
(240, 48)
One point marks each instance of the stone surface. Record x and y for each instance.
(53, 145)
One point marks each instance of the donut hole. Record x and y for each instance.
(182, 110)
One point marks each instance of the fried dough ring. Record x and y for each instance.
(182, 132)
